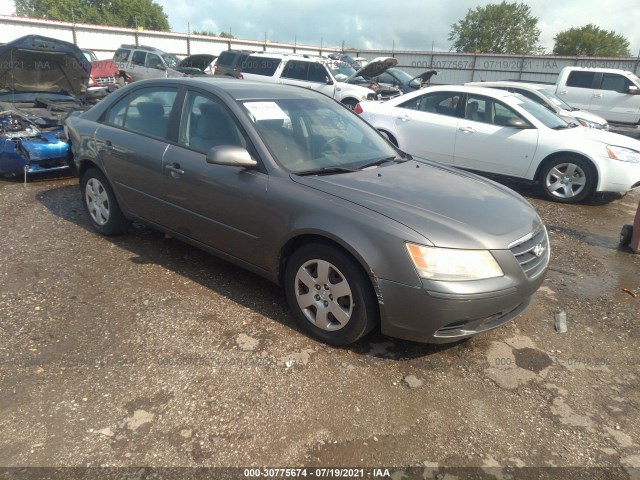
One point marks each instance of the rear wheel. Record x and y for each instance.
(568, 179)
(329, 294)
(100, 203)
(350, 103)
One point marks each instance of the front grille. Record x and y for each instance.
(105, 80)
(532, 252)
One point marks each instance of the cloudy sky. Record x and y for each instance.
(372, 24)
(406, 24)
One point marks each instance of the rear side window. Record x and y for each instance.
(580, 79)
(261, 65)
(226, 58)
(121, 55)
(138, 58)
(145, 111)
(443, 103)
(296, 70)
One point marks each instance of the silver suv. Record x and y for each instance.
(142, 62)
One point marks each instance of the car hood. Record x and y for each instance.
(375, 67)
(104, 68)
(450, 208)
(40, 64)
(200, 61)
(582, 135)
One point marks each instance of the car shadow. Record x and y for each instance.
(148, 246)
(532, 190)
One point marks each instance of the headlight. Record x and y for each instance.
(453, 265)
(623, 154)
(589, 124)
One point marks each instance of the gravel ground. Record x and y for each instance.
(141, 351)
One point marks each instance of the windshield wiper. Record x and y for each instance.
(380, 161)
(325, 170)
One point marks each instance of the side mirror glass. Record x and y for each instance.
(230, 156)
(517, 123)
(633, 90)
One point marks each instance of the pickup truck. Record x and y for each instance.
(612, 94)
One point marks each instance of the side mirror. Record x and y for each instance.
(517, 123)
(633, 90)
(329, 81)
(160, 66)
(230, 156)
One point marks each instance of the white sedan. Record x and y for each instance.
(495, 131)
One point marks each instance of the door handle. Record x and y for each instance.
(175, 168)
(597, 95)
(404, 118)
(108, 143)
(467, 129)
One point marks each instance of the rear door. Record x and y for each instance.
(131, 141)
(426, 125)
(578, 89)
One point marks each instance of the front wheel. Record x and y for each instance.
(568, 179)
(329, 294)
(101, 204)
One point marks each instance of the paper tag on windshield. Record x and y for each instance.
(266, 111)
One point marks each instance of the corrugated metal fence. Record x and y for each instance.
(453, 68)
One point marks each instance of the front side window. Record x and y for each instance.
(318, 73)
(206, 123)
(147, 111)
(442, 103)
(616, 83)
(153, 61)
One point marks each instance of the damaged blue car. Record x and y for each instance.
(41, 80)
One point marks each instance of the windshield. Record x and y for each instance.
(540, 112)
(341, 70)
(171, 60)
(403, 76)
(305, 135)
(556, 100)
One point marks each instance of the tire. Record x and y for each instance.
(625, 235)
(350, 103)
(568, 179)
(101, 204)
(338, 307)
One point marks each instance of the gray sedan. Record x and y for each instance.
(291, 185)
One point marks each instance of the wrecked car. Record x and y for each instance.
(41, 80)
(105, 76)
(405, 81)
(198, 64)
(344, 72)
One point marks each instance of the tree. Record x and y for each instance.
(119, 13)
(497, 28)
(590, 41)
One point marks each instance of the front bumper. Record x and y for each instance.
(45, 153)
(618, 176)
(443, 312)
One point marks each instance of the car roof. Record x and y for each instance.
(506, 83)
(294, 56)
(493, 92)
(243, 89)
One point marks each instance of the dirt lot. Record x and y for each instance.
(139, 350)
